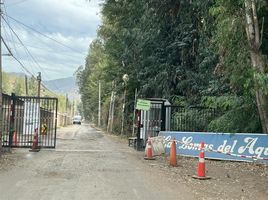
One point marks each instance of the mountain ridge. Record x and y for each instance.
(64, 86)
(61, 86)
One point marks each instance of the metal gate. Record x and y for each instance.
(162, 116)
(154, 120)
(25, 116)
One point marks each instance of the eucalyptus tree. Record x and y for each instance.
(189, 51)
(239, 39)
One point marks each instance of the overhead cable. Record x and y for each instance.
(35, 61)
(44, 35)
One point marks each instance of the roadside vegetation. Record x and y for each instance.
(14, 83)
(192, 52)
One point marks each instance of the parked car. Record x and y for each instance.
(77, 119)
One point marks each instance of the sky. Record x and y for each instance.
(72, 23)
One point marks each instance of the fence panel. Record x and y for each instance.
(25, 116)
(191, 118)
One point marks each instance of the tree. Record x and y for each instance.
(190, 52)
(254, 36)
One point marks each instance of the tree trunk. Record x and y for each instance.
(261, 100)
(254, 40)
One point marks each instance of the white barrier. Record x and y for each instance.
(157, 145)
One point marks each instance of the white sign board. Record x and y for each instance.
(31, 119)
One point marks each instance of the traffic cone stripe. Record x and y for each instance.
(15, 139)
(149, 153)
(35, 147)
(201, 172)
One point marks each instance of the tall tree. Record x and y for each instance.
(254, 36)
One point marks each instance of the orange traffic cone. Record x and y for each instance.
(201, 171)
(15, 140)
(149, 153)
(173, 154)
(35, 147)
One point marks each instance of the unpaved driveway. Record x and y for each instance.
(85, 165)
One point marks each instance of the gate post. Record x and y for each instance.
(12, 119)
(138, 129)
(163, 116)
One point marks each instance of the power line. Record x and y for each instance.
(22, 65)
(20, 43)
(5, 30)
(44, 35)
(35, 61)
(27, 51)
(12, 38)
(32, 75)
(35, 47)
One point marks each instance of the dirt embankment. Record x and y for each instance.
(229, 180)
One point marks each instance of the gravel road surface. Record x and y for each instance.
(85, 165)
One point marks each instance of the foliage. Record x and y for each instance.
(189, 52)
(16, 84)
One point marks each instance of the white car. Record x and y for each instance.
(77, 119)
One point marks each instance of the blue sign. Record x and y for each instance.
(224, 146)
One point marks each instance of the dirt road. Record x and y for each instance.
(85, 165)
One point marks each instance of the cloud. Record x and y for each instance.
(70, 22)
(71, 17)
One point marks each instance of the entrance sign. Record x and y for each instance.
(143, 104)
(225, 146)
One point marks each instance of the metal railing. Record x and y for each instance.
(191, 118)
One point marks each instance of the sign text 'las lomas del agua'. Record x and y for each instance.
(243, 146)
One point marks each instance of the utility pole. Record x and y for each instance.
(99, 110)
(134, 112)
(123, 111)
(26, 86)
(125, 79)
(1, 102)
(111, 110)
(39, 84)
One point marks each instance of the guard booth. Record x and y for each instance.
(155, 115)
(154, 120)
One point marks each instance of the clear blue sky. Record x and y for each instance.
(71, 22)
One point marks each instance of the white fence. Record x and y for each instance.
(63, 119)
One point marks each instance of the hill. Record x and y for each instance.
(64, 86)
(14, 82)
